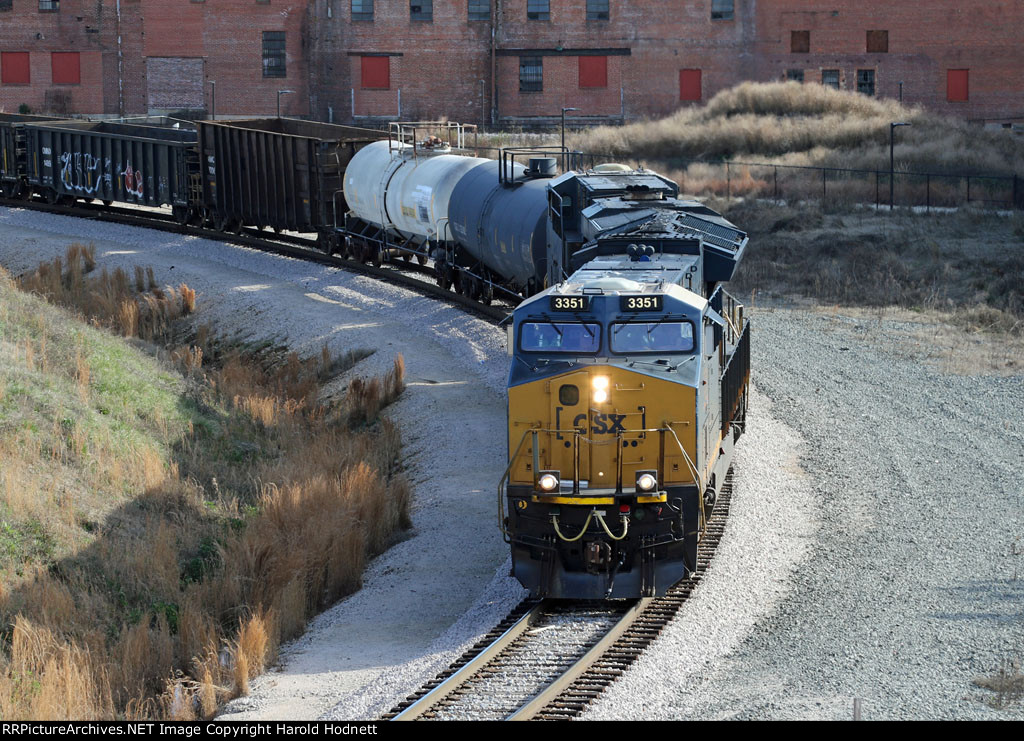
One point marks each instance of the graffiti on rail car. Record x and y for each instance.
(82, 172)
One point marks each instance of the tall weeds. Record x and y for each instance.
(265, 511)
(108, 299)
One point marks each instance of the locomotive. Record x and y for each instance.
(627, 391)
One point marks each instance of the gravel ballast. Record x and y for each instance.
(869, 550)
(903, 585)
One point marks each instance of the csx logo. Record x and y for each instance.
(603, 424)
(600, 423)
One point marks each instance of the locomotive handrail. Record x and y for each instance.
(535, 432)
(501, 485)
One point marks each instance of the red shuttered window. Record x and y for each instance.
(593, 71)
(376, 73)
(14, 69)
(67, 68)
(956, 85)
(689, 84)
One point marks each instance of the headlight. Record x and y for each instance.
(548, 480)
(600, 382)
(646, 480)
(600, 396)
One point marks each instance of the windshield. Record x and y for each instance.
(560, 337)
(644, 337)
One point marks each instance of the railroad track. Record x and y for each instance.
(398, 272)
(549, 660)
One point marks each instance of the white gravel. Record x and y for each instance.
(453, 422)
(884, 573)
(869, 552)
(772, 521)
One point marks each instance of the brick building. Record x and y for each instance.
(133, 57)
(503, 61)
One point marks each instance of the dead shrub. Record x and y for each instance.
(1007, 685)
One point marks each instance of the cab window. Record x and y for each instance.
(652, 337)
(560, 337)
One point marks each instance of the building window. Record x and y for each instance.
(538, 10)
(49, 6)
(800, 42)
(6, 4)
(376, 73)
(593, 71)
(597, 10)
(531, 74)
(830, 78)
(878, 42)
(866, 81)
(689, 84)
(362, 10)
(479, 10)
(722, 10)
(66, 68)
(956, 85)
(274, 54)
(421, 10)
(14, 68)
(797, 75)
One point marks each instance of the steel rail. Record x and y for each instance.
(577, 687)
(485, 657)
(542, 699)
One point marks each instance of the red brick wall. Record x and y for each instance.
(226, 33)
(80, 26)
(925, 40)
(661, 39)
(437, 66)
(229, 35)
(444, 67)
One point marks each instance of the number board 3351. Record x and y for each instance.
(570, 303)
(640, 303)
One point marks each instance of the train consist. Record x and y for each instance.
(630, 364)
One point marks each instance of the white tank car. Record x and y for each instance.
(390, 185)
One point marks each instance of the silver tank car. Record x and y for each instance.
(402, 189)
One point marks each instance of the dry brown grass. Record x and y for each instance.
(1006, 685)
(108, 299)
(965, 266)
(260, 508)
(811, 125)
